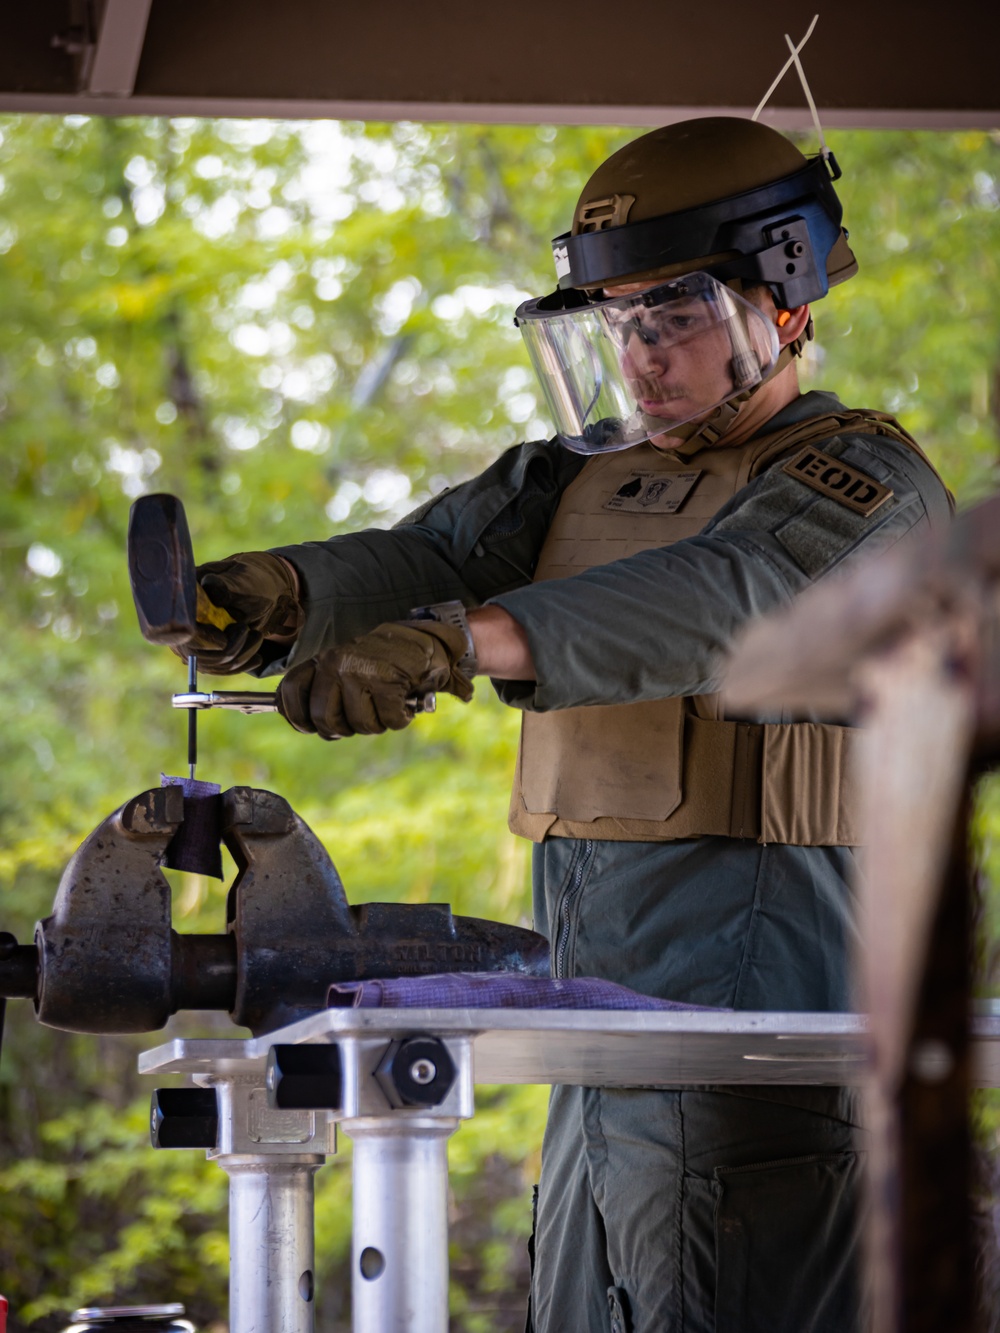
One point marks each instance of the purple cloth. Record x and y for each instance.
(196, 844)
(492, 990)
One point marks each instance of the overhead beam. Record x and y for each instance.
(899, 64)
(487, 113)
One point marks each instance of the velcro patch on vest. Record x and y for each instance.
(653, 492)
(838, 481)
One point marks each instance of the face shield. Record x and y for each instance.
(619, 371)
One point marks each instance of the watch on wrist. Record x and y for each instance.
(452, 613)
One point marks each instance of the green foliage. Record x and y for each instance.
(271, 321)
(917, 332)
(302, 329)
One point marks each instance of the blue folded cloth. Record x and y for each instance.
(492, 990)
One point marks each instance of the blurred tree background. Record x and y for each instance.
(303, 329)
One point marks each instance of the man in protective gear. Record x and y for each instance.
(599, 578)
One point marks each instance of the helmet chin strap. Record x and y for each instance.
(725, 417)
(728, 415)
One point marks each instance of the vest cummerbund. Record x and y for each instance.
(676, 768)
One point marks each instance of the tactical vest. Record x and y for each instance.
(676, 768)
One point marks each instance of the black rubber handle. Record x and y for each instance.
(184, 1118)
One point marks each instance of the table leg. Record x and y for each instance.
(271, 1263)
(399, 1255)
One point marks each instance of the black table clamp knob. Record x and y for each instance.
(417, 1071)
(184, 1118)
(306, 1077)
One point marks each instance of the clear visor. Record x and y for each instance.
(620, 371)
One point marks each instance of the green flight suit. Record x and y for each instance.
(706, 1209)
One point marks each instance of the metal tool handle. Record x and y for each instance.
(238, 701)
(260, 701)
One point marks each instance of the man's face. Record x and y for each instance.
(648, 360)
(677, 359)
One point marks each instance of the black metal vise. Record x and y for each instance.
(108, 960)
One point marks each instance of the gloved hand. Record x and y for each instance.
(258, 594)
(362, 687)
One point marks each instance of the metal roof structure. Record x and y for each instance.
(896, 64)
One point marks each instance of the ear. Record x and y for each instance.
(791, 324)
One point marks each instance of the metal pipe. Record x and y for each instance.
(18, 968)
(203, 971)
(271, 1259)
(399, 1258)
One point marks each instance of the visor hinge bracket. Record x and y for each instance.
(788, 265)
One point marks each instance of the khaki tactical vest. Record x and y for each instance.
(676, 768)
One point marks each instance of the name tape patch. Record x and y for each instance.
(838, 481)
(653, 492)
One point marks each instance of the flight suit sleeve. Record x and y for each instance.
(466, 544)
(659, 623)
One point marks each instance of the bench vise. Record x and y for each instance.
(108, 959)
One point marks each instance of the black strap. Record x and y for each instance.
(741, 223)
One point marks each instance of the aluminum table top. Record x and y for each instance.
(594, 1047)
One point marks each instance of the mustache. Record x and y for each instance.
(652, 388)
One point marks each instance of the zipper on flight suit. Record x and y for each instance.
(480, 550)
(566, 906)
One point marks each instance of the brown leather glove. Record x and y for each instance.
(363, 687)
(256, 590)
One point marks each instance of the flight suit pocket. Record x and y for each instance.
(787, 1246)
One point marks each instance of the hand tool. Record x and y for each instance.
(170, 603)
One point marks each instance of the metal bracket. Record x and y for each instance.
(789, 262)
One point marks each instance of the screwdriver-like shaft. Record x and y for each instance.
(192, 717)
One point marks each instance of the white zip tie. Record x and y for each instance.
(792, 60)
(823, 150)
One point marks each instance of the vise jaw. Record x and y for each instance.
(108, 959)
(111, 920)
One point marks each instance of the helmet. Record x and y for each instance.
(720, 193)
(694, 213)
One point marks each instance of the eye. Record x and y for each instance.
(685, 322)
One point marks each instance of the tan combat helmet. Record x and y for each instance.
(721, 194)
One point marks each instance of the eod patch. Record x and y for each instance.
(838, 481)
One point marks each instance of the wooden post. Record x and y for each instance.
(914, 977)
(910, 646)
